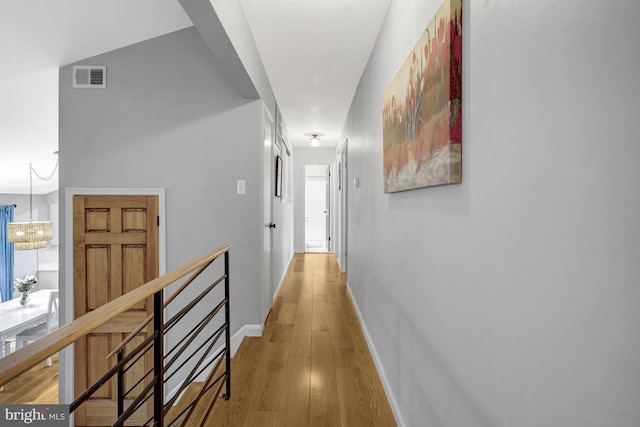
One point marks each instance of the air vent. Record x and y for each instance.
(89, 76)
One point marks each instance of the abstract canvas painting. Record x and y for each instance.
(422, 109)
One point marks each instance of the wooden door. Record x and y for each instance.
(115, 249)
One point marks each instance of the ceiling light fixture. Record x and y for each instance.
(32, 234)
(315, 141)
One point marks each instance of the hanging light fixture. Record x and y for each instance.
(29, 232)
(32, 234)
(315, 141)
(30, 245)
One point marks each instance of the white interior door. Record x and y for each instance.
(316, 208)
(267, 212)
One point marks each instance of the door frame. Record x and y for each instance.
(328, 205)
(267, 287)
(66, 360)
(343, 201)
(329, 209)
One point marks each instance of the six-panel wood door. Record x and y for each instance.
(115, 250)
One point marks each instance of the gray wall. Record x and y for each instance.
(40, 205)
(512, 299)
(236, 27)
(169, 118)
(224, 27)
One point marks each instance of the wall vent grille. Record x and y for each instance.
(89, 76)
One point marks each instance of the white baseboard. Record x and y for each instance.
(376, 361)
(250, 331)
(236, 340)
(282, 279)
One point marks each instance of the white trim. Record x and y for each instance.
(249, 331)
(281, 281)
(379, 367)
(266, 276)
(66, 365)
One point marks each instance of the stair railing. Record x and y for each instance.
(198, 351)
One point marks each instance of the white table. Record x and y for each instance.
(15, 318)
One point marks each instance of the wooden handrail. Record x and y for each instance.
(24, 359)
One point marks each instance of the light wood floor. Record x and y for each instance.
(311, 367)
(39, 385)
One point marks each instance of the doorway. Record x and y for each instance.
(317, 195)
(268, 192)
(115, 250)
(67, 363)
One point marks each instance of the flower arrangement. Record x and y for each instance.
(25, 284)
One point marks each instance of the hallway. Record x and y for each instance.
(312, 366)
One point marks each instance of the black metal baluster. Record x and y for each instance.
(158, 359)
(155, 342)
(227, 315)
(120, 377)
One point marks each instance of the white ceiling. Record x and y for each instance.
(314, 52)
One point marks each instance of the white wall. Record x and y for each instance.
(305, 156)
(512, 299)
(170, 118)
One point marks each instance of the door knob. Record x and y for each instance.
(272, 225)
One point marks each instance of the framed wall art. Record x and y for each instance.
(422, 109)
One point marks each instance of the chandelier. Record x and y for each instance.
(32, 234)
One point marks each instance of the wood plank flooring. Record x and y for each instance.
(39, 385)
(312, 366)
